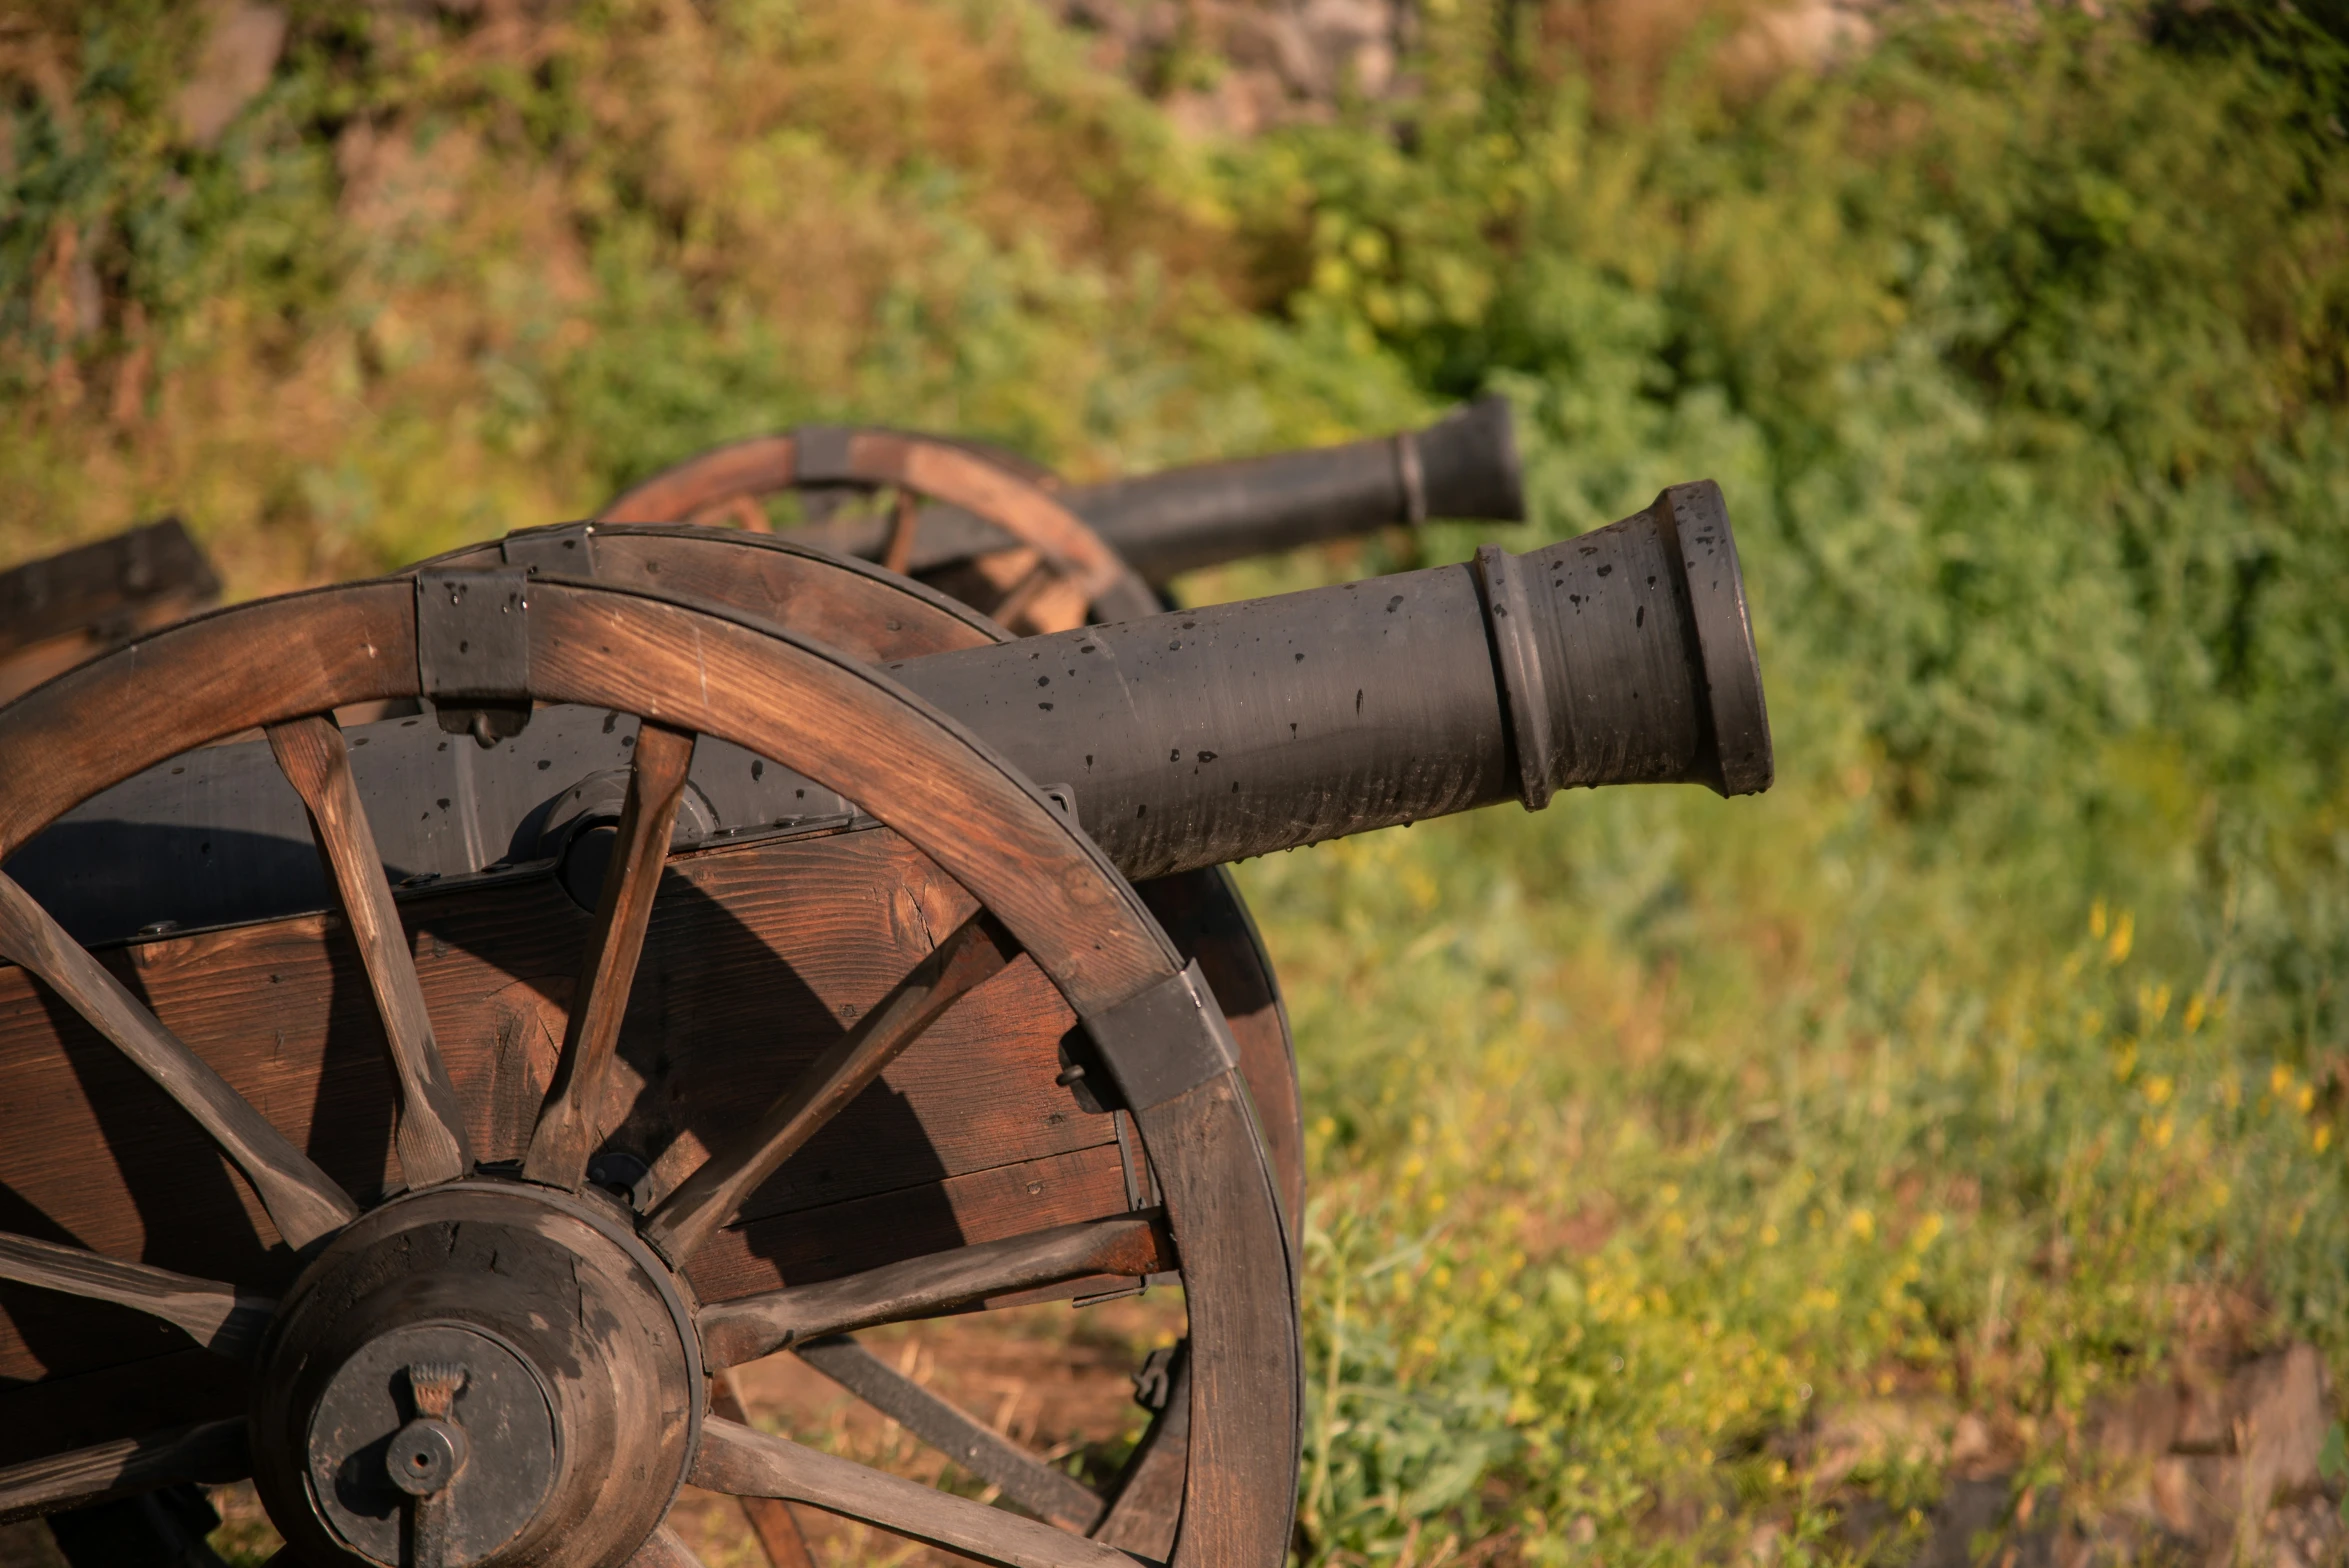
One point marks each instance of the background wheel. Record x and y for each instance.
(974, 521)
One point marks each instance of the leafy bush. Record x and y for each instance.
(1997, 1054)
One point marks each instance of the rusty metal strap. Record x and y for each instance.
(473, 635)
(819, 455)
(567, 550)
(1165, 1041)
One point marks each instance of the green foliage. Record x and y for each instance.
(1685, 1169)
(1971, 1067)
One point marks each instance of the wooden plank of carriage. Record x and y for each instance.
(756, 955)
(65, 608)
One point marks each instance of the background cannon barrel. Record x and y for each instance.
(1181, 740)
(1464, 465)
(1180, 519)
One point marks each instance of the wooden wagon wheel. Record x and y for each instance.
(1057, 575)
(879, 616)
(537, 1348)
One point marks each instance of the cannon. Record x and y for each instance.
(62, 609)
(594, 1058)
(1006, 536)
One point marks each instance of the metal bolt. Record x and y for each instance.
(426, 1455)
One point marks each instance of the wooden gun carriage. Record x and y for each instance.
(490, 1002)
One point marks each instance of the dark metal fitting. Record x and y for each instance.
(1411, 476)
(1164, 1041)
(434, 1385)
(473, 650)
(1517, 657)
(564, 551)
(1156, 1378)
(425, 1456)
(819, 455)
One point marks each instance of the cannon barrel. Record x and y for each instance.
(1204, 736)
(1181, 740)
(1464, 465)
(1180, 519)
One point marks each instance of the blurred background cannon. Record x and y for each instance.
(1009, 538)
(62, 609)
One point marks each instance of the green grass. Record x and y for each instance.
(1994, 1058)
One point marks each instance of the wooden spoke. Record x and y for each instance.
(569, 1123)
(1039, 577)
(973, 955)
(1147, 1503)
(431, 1135)
(897, 554)
(662, 1549)
(302, 1200)
(976, 1447)
(211, 1453)
(770, 1518)
(733, 1332)
(212, 1313)
(735, 1459)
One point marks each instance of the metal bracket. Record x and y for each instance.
(1412, 476)
(564, 551)
(473, 650)
(1509, 617)
(819, 455)
(1165, 1041)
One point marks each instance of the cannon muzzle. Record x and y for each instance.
(1464, 465)
(1183, 740)
(1204, 736)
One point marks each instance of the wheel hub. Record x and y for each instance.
(485, 1373)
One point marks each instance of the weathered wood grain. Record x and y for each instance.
(757, 956)
(1147, 1503)
(852, 606)
(770, 1518)
(215, 1315)
(1240, 1481)
(972, 954)
(976, 1447)
(662, 1549)
(213, 1452)
(430, 1131)
(324, 650)
(808, 1245)
(302, 1199)
(735, 1459)
(1206, 919)
(749, 1327)
(571, 1122)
